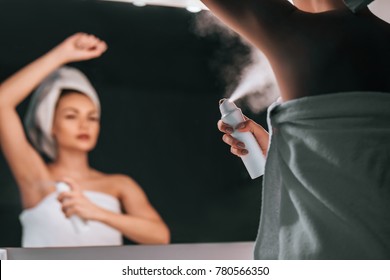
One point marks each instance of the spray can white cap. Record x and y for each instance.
(254, 161)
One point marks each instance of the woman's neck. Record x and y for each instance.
(319, 6)
(72, 164)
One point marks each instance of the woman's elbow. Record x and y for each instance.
(165, 236)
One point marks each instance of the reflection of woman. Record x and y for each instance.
(67, 139)
(326, 183)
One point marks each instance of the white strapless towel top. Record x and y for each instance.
(45, 225)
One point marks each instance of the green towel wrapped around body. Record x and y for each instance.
(356, 5)
(326, 188)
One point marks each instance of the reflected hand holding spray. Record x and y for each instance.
(80, 225)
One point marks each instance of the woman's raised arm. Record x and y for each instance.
(256, 20)
(27, 166)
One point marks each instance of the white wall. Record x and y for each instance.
(381, 8)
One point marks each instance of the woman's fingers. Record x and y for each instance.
(72, 194)
(261, 135)
(90, 46)
(81, 46)
(223, 127)
(238, 148)
(233, 142)
(70, 211)
(245, 126)
(70, 205)
(64, 196)
(85, 42)
(67, 206)
(238, 152)
(98, 49)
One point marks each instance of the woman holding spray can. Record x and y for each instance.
(326, 184)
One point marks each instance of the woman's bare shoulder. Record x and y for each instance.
(116, 184)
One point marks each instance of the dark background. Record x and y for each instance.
(159, 85)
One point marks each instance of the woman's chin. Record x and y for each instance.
(83, 148)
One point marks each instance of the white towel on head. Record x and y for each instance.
(356, 5)
(40, 113)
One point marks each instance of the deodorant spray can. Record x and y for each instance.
(254, 161)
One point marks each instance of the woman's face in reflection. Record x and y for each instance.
(76, 123)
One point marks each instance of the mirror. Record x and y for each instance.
(159, 84)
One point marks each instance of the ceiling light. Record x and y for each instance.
(139, 3)
(193, 9)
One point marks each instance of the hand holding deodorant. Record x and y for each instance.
(254, 161)
(80, 225)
